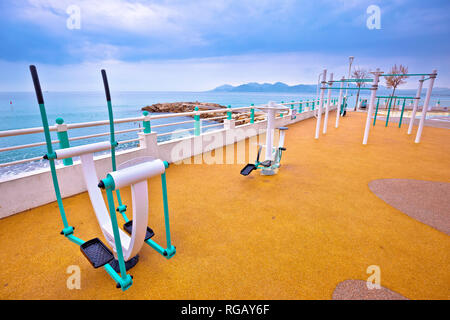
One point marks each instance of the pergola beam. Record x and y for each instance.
(348, 88)
(396, 97)
(353, 80)
(405, 74)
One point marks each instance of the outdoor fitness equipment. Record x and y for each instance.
(342, 102)
(430, 76)
(133, 173)
(273, 154)
(363, 104)
(377, 74)
(389, 108)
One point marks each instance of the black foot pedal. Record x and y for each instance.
(128, 227)
(247, 169)
(128, 264)
(96, 252)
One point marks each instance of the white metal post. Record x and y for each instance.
(281, 140)
(371, 104)
(416, 103)
(318, 86)
(338, 109)
(327, 109)
(425, 106)
(319, 112)
(270, 129)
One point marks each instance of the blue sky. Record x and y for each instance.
(198, 45)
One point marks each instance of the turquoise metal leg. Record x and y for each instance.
(389, 112)
(376, 112)
(401, 115)
(75, 240)
(125, 279)
(170, 251)
(121, 208)
(166, 209)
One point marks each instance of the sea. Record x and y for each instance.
(20, 110)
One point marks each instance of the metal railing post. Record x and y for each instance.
(146, 122)
(292, 108)
(63, 137)
(197, 122)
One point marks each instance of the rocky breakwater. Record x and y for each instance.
(179, 107)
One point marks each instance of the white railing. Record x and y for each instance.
(70, 126)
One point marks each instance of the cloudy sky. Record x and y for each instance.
(200, 44)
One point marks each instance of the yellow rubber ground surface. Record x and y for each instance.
(295, 235)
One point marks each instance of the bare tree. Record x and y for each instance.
(359, 74)
(394, 81)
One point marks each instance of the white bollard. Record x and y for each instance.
(270, 130)
(416, 103)
(281, 140)
(425, 106)
(371, 104)
(319, 110)
(338, 109)
(327, 109)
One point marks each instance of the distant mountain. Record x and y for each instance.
(224, 88)
(267, 87)
(311, 88)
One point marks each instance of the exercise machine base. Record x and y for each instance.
(268, 172)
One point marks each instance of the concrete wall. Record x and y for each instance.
(35, 188)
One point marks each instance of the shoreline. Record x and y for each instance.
(181, 107)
